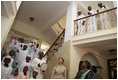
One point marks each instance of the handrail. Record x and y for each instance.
(60, 26)
(55, 42)
(96, 14)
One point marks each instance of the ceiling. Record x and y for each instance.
(46, 14)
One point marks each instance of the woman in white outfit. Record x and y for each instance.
(6, 69)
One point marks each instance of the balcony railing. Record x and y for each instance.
(94, 22)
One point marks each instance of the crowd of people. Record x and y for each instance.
(101, 21)
(22, 61)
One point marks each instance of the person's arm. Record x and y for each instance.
(53, 73)
(104, 6)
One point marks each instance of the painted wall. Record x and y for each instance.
(8, 13)
(64, 52)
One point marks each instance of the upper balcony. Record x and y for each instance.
(95, 29)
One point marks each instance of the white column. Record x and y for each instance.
(71, 16)
(115, 5)
(18, 3)
(8, 14)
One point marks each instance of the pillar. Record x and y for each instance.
(71, 16)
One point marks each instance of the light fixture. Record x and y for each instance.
(31, 19)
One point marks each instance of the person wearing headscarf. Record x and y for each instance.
(92, 25)
(15, 74)
(22, 55)
(28, 63)
(81, 23)
(104, 17)
(24, 73)
(33, 52)
(6, 69)
(12, 62)
(34, 74)
(36, 64)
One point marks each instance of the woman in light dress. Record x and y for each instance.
(59, 71)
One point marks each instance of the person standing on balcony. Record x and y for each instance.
(59, 71)
(81, 23)
(104, 17)
(91, 26)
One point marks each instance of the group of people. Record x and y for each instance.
(22, 61)
(104, 20)
(86, 71)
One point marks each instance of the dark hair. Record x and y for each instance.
(94, 69)
(80, 65)
(88, 64)
(62, 59)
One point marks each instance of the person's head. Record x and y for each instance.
(89, 8)
(94, 69)
(25, 69)
(24, 47)
(28, 58)
(19, 40)
(79, 12)
(60, 60)
(7, 60)
(86, 65)
(32, 45)
(31, 42)
(37, 45)
(34, 42)
(12, 53)
(35, 73)
(13, 41)
(22, 40)
(41, 54)
(80, 65)
(100, 5)
(15, 72)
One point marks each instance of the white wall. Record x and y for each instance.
(8, 14)
(71, 16)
